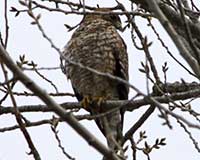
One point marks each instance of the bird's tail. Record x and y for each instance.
(111, 125)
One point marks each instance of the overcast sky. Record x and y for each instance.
(27, 39)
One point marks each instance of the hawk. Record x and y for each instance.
(97, 44)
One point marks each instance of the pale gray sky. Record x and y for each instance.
(27, 39)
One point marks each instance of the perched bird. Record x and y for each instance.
(97, 44)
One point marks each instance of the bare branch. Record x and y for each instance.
(68, 117)
(138, 124)
(6, 23)
(188, 32)
(154, 7)
(19, 120)
(25, 93)
(127, 105)
(190, 136)
(55, 131)
(167, 49)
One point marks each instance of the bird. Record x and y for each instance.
(96, 44)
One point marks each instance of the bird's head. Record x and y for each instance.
(113, 18)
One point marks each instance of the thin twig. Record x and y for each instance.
(146, 50)
(6, 23)
(19, 120)
(41, 68)
(78, 5)
(46, 79)
(25, 93)
(190, 136)
(55, 131)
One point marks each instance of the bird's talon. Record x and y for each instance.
(86, 102)
(100, 100)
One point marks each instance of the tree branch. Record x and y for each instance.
(154, 8)
(129, 105)
(68, 117)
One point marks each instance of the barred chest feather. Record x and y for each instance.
(94, 44)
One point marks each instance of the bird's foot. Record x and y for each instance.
(86, 101)
(98, 100)
(94, 101)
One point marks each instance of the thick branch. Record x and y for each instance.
(154, 8)
(128, 105)
(139, 123)
(173, 17)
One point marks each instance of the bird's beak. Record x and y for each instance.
(119, 26)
